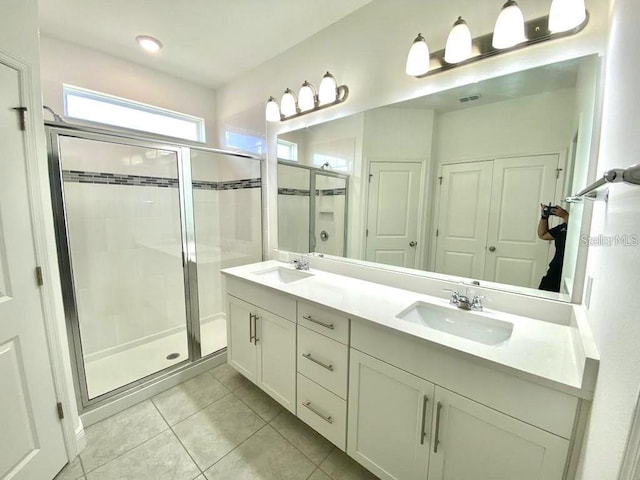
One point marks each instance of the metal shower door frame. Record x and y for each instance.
(190, 274)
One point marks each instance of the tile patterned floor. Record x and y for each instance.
(217, 425)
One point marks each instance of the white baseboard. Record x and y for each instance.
(81, 439)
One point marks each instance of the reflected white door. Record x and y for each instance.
(463, 219)
(31, 441)
(515, 254)
(392, 210)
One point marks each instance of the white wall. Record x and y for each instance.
(613, 311)
(63, 62)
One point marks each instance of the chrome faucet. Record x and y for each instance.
(462, 301)
(301, 264)
(476, 303)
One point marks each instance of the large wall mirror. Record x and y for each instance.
(452, 183)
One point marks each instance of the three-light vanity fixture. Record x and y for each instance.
(566, 17)
(328, 94)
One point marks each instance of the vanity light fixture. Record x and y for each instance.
(459, 46)
(148, 43)
(509, 29)
(308, 101)
(566, 14)
(567, 17)
(418, 58)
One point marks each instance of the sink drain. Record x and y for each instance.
(173, 356)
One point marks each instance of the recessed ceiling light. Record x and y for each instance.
(150, 44)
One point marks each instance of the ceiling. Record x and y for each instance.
(547, 78)
(208, 42)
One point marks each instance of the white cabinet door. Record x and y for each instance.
(241, 353)
(276, 341)
(390, 414)
(473, 442)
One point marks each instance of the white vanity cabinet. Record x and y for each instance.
(471, 441)
(262, 345)
(390, 414)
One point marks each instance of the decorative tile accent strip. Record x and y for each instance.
(305, 193)
(78, 176)
(296, 192)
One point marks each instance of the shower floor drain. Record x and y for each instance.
(172, 356)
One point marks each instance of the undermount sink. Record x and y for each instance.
(283, 275)
(479, 327)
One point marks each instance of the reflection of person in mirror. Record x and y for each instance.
(552, 280)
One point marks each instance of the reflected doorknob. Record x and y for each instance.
(413, 243)
(492, 248)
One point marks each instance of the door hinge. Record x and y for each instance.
(22, 111)
(60, 410)
(440, 179)
(39, 276)
(437, 232)
(370, 175)
(367, 233)
(558, 170)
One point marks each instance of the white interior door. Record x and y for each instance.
(392, 213)
(463, 219)
(515, 254)
(31, 441)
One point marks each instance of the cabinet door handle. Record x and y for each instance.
(326, 418)
(318, 362)
(436, 439)
(251, 335)
(423, 434)
(318, 322)
(255, 329)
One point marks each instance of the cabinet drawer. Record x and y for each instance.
(323, 411)
(323, 360)
(324, 321)
(263, 297)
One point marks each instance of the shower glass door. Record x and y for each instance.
(125, 242)
(330, 211)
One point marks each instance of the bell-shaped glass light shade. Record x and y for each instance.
(306, 97)
(566, 14)
(458, 47)
(328, 91)
(288, 103)
(272, 111)
(509, 30)
(418, 58)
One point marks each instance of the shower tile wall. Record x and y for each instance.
(293, 209)
(126, 246)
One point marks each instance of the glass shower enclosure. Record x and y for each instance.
(143, 228)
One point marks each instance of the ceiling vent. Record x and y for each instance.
(470, 98)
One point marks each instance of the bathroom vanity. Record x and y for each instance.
(408, 385)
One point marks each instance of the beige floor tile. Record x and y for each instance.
(258, 401)
(229, 377)
(265, 456)
(216, 430)
(185, 399)
(120, 433)
(161, 458)
(304, 438)
(319, 475)
(71, 471)
(339, 466)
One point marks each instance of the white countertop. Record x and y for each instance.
(540, 351)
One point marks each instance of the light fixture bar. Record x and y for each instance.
(536, 31)
(343, 93)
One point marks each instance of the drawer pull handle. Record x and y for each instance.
(326, 418)
(318, 322)
(436, 440)
(423, 434)
(251, 328)
(318, 362)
